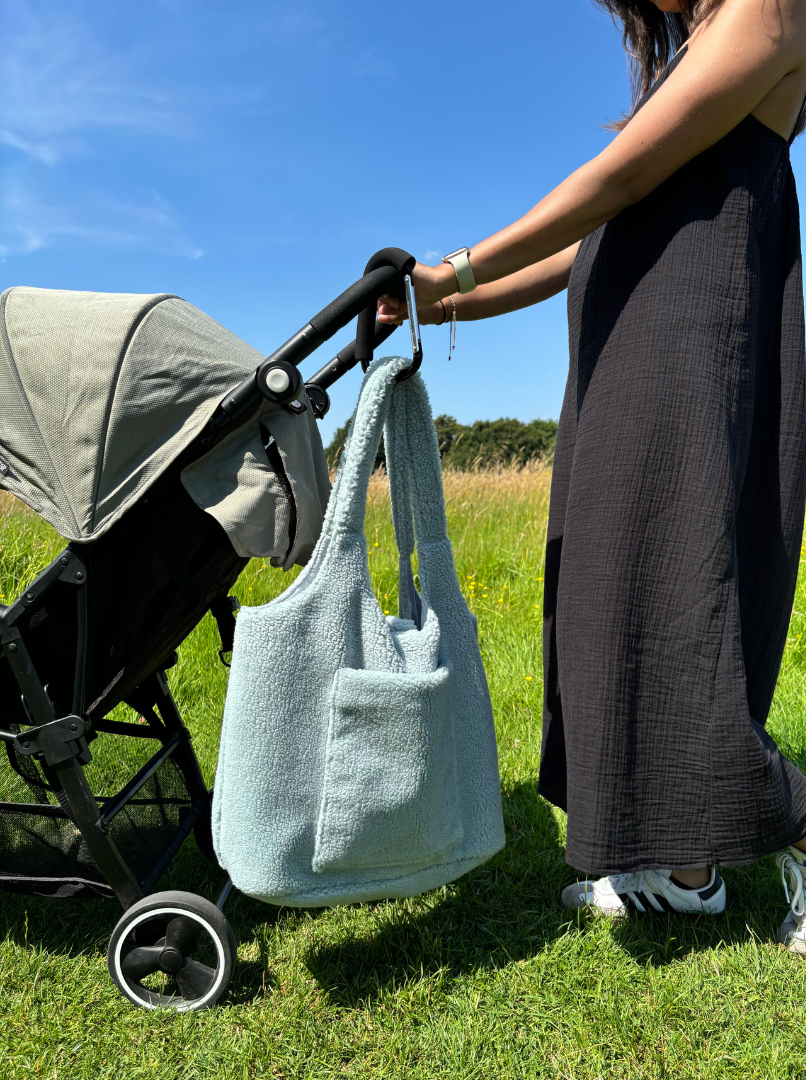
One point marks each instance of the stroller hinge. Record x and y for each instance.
(60, 740)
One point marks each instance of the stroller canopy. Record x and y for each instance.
(100, 392)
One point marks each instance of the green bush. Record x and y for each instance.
(486, 442)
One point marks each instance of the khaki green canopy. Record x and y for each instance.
(100, 392)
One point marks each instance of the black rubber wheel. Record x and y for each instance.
(172, 950)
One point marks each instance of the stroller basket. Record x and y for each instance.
(100, 626)
(44, 851)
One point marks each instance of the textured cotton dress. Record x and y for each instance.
(676, 519)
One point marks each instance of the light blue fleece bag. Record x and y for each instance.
(358, 757)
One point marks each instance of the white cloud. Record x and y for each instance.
(60, 89)
(30, 220)
(57, 81)
(432, 256)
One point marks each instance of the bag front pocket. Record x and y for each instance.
(390, 797)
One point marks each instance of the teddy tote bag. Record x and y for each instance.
(358, 757)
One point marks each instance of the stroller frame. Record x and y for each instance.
(161, 932)
(61, 745)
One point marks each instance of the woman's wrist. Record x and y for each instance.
(435, 314)
(436, 282)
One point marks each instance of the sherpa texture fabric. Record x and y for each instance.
(100, 392)
(676, 520)
(358, 757)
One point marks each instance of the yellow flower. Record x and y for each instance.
(528, 678)
(386, 612)
(375, 545)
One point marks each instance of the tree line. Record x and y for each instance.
(484, 443)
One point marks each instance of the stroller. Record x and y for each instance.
(101, 625)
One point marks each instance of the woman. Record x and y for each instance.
(679, 478)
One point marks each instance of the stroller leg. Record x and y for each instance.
(224, 896)
(50, 740)
(86, 814)
(159, 695)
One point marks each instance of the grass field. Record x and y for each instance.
(485, 978)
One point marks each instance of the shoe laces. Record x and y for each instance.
(792, 876)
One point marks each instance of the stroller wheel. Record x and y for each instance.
(172, 950)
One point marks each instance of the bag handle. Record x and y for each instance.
(415, 488)
(412, 457)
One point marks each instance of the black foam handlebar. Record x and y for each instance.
(390, 258)
(384, 273)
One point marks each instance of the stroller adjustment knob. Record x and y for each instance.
(279, 381)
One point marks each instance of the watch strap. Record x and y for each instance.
(460, 261)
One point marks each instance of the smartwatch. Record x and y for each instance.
(460, 261)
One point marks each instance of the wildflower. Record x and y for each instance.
(528, 678)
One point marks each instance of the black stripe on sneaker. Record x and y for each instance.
(712, 890)
(664, 903)
(642, 899)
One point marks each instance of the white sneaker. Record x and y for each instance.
(792, 933)
(648, 890)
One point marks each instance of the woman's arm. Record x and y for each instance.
(734, 60)
(519, 290)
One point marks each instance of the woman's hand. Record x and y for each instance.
(395, 312)
(431, 284)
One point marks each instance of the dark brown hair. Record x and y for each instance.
(652, 37)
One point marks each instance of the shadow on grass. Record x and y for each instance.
(502, 912)
(508, 910)
(505, 911)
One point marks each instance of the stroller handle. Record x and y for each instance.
(346, 359)
(277, 379)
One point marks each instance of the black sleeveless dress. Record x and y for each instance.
(676, 518)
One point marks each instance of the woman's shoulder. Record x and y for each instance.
(767, 40)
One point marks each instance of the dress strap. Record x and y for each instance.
(661, 79)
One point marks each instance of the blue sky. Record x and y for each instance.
(251, 156)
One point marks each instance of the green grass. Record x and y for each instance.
(484, 978)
